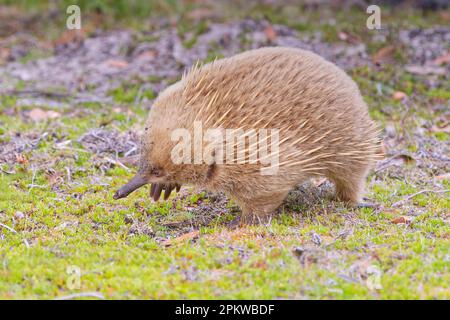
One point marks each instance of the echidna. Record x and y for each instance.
(322, 124)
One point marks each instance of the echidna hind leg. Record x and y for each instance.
(350, 184)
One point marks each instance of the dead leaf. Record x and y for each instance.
(5, 54)
(37, 114)
(270, 33)
(342, 36)
(119, 64)
(444, 15)
(183, 238)
(201, 14)
(347, 37)
(445, 176)
(399, 95)
(147, 55)
(20, 158)
(260, 264)
(402, 220)
(70, 36)
(425, 70)
(384, 55)
(444, 59)
(173, 22)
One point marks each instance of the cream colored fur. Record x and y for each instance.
(325, 128)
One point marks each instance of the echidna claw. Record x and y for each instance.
(157, 188)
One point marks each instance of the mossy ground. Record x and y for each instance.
(58, 199)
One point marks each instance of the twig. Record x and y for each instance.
(31, 186)
(116, 162)
(7, 172)
(130, 160)
(137, 99)
(416, 194)
(70, 148)
(133, 149)
(347, 278)
(95, 135)
(69, 175)
(14, 231)
(97, 295)
(8, 227)
(47, 94)
(342, 235)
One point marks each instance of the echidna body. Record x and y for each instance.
(323, 124)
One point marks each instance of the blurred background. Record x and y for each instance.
(158, 39)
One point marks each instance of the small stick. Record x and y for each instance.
(14, 231)
(69, 175)
(71, 149)
(32, 185)
(416, 194)
(116, 162)
(7, 172)
(80, 295)
(47, 94)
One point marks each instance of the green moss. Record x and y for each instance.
(188, 44)
(129, 94)
(440, 93)
(34, 54)
(442, 136)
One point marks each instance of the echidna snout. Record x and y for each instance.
(135, 183)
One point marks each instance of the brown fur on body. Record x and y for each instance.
(324, 127)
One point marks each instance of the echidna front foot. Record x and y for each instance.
(260, 210)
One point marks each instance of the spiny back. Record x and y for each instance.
(310, 100)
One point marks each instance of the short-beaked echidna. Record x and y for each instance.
(322, 124)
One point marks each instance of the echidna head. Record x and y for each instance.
(156, 166)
